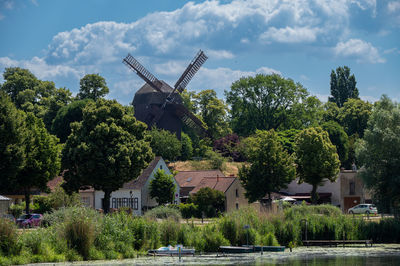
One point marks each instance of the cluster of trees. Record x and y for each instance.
(270, 121)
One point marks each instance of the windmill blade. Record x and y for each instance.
(142, 72)
(192, 68)
(190, 120)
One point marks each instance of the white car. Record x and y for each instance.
(364, 208)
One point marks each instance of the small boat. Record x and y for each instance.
(250, 249)
(267, 248)
(232, 249)
(170, 250)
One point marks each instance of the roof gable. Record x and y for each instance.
(218, 183)
(193, 178)
(139, 182)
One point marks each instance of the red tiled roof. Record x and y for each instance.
(139, 182)
(193, 178)
(219, 183)
(52, 184)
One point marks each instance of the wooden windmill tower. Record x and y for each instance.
(157, 103)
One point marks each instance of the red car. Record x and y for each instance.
(29, 220)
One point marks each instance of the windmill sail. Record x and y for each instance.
(142, 72)
(190, 120)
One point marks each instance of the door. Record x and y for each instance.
(350, 202)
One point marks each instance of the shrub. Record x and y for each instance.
(62, 214)
(217, 161)
(188, 210)
(8, 238)
(163, 212)
(213, 239)
(16, 209)
(41, 204)
(169, 232)
(269, 240)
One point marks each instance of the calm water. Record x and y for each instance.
(334, 261)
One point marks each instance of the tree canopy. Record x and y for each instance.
(316, 159)
(353, 116)
(262, 102)
(165, 144)
(379, 154)
(343, 86)
(106, 149)
(210, 202)
(92, 86)
(271, 169)
(338, 138)
(162, 187)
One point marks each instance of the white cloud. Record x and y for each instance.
(363, 51)
(393, 7)
(219, 54)
(290, 35)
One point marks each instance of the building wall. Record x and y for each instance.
(147, 201)
(87, 198)
(328, 187)
(4, 204)
(360, 194)
(233, 200)
(120, 194)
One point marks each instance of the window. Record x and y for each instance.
(125, 202)
(85, 201)
(237, 193)
(352, 188)
(161, 167)
(237, 206)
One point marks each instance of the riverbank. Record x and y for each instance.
(299, 254)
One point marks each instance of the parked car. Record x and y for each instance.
(364, 209)
(29, 220)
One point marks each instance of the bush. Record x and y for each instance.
(41, 204)
(169, 232)
(217, 161)
(8, 238)
(164, 212)
(213, 239)
(269, 240)
(188, 210)
(16, 209)
(62, 214)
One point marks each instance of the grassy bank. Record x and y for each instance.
(83, 234)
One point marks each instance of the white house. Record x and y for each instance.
(135, 194)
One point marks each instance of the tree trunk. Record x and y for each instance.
(27, 200)
(314, 194)
(269, 201)
(106, 202)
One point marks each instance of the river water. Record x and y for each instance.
(379, 255)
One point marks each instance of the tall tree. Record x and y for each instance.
(262, 102)
(343, 86)
(354, 115)
(162, 187)
(12, 135)
(106, 149)
(33, 95)
(213, 112)
(379, 154)
(271, 169)
(316, 159)
(165, 144)
(187, 147)
(338, 138)
(72, 112)
(92, 86)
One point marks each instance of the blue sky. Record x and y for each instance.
(63, 40)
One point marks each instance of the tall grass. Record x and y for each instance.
(8, 238)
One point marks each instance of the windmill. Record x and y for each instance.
(157, 103)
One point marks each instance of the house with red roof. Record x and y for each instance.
(134, 194)
(191, 182)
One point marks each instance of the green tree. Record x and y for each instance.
(162, 187)
(213, 112)
(42, 159)
(288, 139)
(106, 149)
(379, 153)
(72, 112)
(330, 112)
(354, 115)
(316, 159)
(306, 113)
(271, 169)
(92, 86)
(210, 202)
(343, 86)
(33, 95)
(165, 144)
(338, 138)
(12, 135)
(262, 102)
(187, 148)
